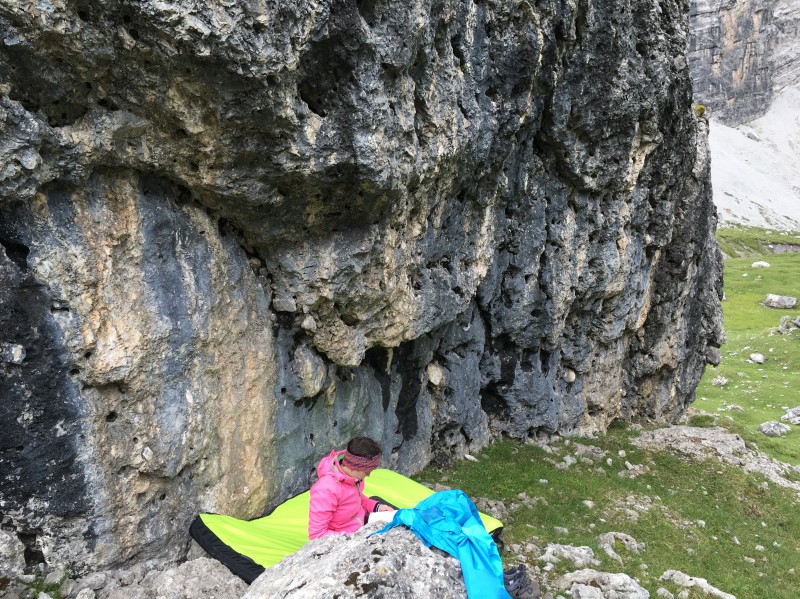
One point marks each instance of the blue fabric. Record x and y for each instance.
(449, 520)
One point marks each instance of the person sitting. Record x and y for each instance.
(338, 504)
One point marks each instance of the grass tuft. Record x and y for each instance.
(52, 589)
(699, 110)
(702, 420)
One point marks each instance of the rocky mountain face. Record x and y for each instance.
(745, 62)
(233, 235)
(786, 53)
(741, 53)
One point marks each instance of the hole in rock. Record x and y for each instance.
(545, 358)
(349, 320)
(107, 104)
(32, 554)
(17, 252)
(111, 417)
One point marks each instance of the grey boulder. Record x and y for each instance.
(774, 429)
(394, 565)
(590, 584)
(783, 302)
(792, 416)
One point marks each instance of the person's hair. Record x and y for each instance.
(364, 447)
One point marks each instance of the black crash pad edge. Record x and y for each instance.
(241, 565)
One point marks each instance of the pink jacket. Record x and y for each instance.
(338, 504)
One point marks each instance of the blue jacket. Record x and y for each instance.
(448, 520)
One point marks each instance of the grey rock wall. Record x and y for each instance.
(786, 44)
(729, 57)
(149, 353)
(741, 53)
(233, 236)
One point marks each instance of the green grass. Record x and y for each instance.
(702, 420)
(762, 390)
(696, 512)
(740, 242)
(693, 513)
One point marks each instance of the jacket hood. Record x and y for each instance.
(329, 466)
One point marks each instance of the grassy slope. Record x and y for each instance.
(744, 242)
(763, 390)
(686, 514)
(690, 516)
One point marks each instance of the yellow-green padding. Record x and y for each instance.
(269, 539)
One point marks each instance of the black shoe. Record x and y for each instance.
(519, 585)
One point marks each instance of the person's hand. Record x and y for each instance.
(384, 508)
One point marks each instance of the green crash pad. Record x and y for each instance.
(247, 547)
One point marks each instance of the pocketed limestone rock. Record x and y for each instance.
(388, 185)
(12, 554)
(202, 577)
(310, 369)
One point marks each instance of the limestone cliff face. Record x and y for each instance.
(786, 44)
(234, 235)
(741, 52)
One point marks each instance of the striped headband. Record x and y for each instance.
(356, 462)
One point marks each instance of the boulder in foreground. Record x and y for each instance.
(395, 565)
